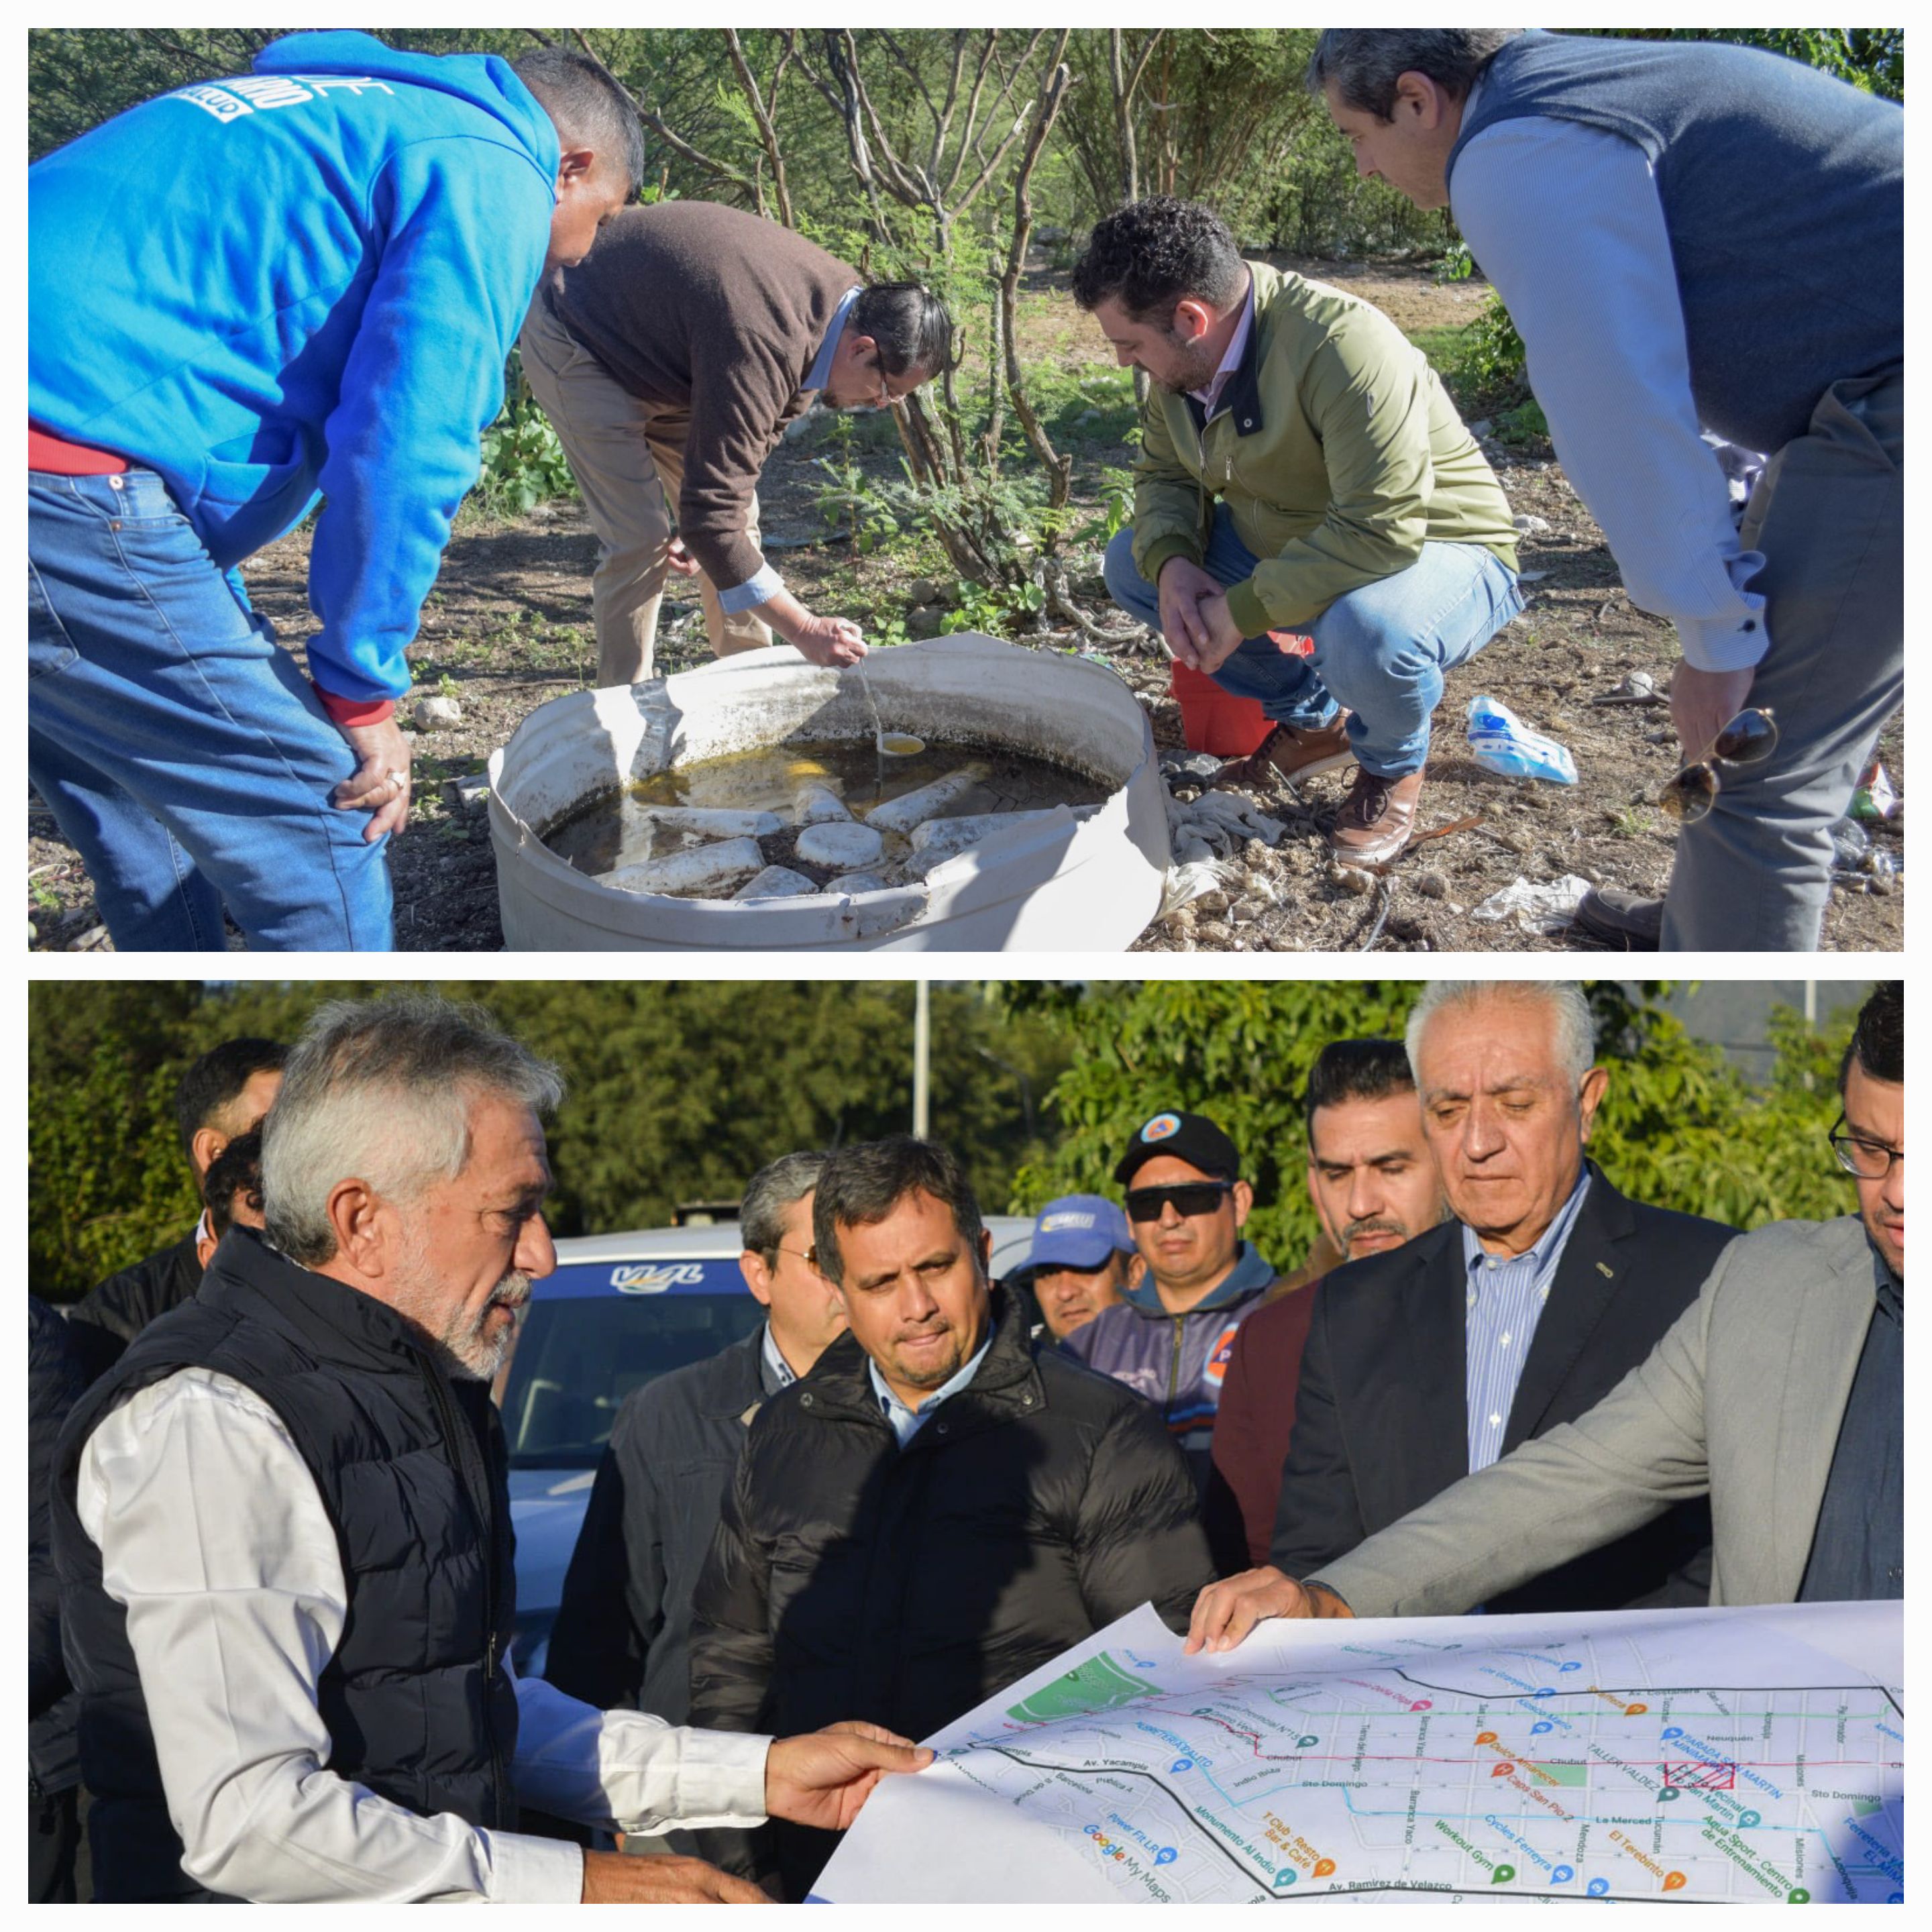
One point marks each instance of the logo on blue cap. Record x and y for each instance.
(1161, 1126)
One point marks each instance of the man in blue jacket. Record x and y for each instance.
(297, 285)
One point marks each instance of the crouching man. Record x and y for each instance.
(282, 1527)
(1302, 476)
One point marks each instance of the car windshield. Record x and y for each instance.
(579, 1357)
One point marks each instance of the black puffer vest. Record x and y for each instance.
(411, 1468)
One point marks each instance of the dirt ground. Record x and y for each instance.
(509, 627)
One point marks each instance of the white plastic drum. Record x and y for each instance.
(1055, 884)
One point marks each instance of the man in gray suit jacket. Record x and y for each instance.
(1779, 1394)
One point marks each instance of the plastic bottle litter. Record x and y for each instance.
(1875, 797)
(814, 802)
(1502, 743)
(776, 882)
(715, 821)
(689, 871)
(840, 842)
(1850, 842)
(914, 807)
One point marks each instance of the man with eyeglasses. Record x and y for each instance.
(1779, 1394)
(1521, 1312)
(1171, 1336)
(669, 374)
(622, 1638)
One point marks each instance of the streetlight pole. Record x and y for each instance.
(922, 1060)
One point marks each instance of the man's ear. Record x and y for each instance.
(758, 1277)
(575, 169)
(364, 1224)
(205, 1148)
(1244, 1202)
(1590, 1097)
(1192, 318)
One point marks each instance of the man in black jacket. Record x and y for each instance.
(55, 1382)
(1432, 1361)
(623, 1629)
(942, 1505)
(282, 1527)
(222, 1095)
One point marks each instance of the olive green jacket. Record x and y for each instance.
(1335, 448)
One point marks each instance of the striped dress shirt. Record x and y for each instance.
(1506, 1298)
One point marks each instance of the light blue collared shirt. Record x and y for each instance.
(778, 1373)
(1505, 1302)
(905, 1422)
(765, 584)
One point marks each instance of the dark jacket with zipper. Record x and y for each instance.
(411, 1469)
(108, 1317)
(55, 1383)
(851, 1578)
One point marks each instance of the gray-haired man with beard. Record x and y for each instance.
(283, 1532)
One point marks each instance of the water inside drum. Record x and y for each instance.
(614, 828)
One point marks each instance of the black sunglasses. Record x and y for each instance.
(1189, 1198)
(1746, 742)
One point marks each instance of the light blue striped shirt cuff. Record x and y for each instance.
(759, 589)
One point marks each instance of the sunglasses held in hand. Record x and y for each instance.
(1744, 743)
(1189, 1198)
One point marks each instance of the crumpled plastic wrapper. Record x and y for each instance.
(1536, 908)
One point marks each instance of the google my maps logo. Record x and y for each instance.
(1163, 1854)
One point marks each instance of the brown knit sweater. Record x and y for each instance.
(690, 305)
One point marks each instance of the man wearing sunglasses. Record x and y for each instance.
(670, 373)
(623, 1628)
(1779, 1394)
(1171, 1335)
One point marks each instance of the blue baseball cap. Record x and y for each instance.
(1077, 1230)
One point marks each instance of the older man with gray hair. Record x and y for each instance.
(282, 1531)
(1546, 1288)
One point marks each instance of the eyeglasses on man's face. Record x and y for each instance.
(1860, 1156)
(1187, 1197)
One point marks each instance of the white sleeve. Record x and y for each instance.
(1567, 225)
(631, 1770)
(213, 1534)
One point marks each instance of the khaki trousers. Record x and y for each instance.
(627, 457)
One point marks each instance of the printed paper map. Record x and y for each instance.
(1750, 1755)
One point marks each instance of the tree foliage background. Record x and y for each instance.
(678, 1090)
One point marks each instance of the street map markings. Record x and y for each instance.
(1745, 1755)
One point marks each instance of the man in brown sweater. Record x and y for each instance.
(669, 361)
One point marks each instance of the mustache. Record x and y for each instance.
(512, 1291)
(1376, 1224)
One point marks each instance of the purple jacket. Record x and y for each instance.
(1177, 1361)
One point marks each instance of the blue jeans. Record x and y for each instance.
(185, 757)
(1380, 649)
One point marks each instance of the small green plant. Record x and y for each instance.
(524, 463)
(44, 896)
(1629, 821)
(446, 686)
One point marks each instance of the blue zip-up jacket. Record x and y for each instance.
(303, 281)
(1178, 1362)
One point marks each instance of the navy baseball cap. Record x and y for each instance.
(1077, 1230)
(1192, 1138)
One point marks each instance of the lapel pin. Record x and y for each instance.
(1604, 1269)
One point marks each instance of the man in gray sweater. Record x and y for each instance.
(669, 374)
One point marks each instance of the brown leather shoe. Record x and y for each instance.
(1291, 753)
(1376, 818)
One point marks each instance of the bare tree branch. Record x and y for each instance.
(768, 134)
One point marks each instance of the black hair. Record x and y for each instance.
(1356, 1070)
(1150, 255)
(215, 1080)
(1363, 64)
(236, 1169)
(859, 1185)
(1878, 1040)
(589, 106)
(910, 324)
